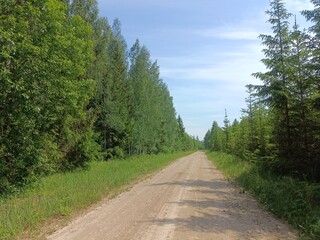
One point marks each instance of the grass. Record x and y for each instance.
(62, 195)
(296, 202)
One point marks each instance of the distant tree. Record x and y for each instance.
(251, 119)
(207, 140)
(153, 126)
(111, 99)
(181, 128)
(226, 131)
(235, 145)
(217, 137)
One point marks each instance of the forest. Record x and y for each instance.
(72, 92)
(273, 151)
(280, 126)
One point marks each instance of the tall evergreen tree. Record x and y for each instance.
(276, 81)
(314, 96)
(301, 87)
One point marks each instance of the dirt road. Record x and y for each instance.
(187, 200)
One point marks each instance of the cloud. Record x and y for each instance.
(228, 65)
(198, 114)
(139, 3)
(203, 100)
(206, 50)
(298, 5)
(231, 33)
(208, 81)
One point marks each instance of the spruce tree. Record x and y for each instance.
(276, 81)
(314, 96)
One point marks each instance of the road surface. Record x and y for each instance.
(190, 199)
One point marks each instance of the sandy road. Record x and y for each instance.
(187, 200)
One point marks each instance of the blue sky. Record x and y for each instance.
(206, 50)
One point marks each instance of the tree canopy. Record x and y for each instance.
(71, 92)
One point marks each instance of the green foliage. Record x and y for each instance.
(152, 126)
(111, 95)
(280, 124)
(297, 202)
(68, 96)
(288, 89)
(215, 139)
(44, 90)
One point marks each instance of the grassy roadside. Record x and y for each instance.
(297, 202)
(62, 195)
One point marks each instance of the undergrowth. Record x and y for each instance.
(295, 201)
(61, 195)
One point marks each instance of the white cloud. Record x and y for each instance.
(205, 57)
(228, 66)
(139, 3)
(231, 33)
(298, 5)
(205, 83)
(204, 93)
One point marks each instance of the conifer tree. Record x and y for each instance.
(314, 96)
(276, 81)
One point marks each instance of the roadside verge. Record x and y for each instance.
(296, 202)
(58, 198)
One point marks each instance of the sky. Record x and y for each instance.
(206, 50)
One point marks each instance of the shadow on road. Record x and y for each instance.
(217, 206)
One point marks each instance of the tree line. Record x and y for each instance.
(72, 92)
(280, 126)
